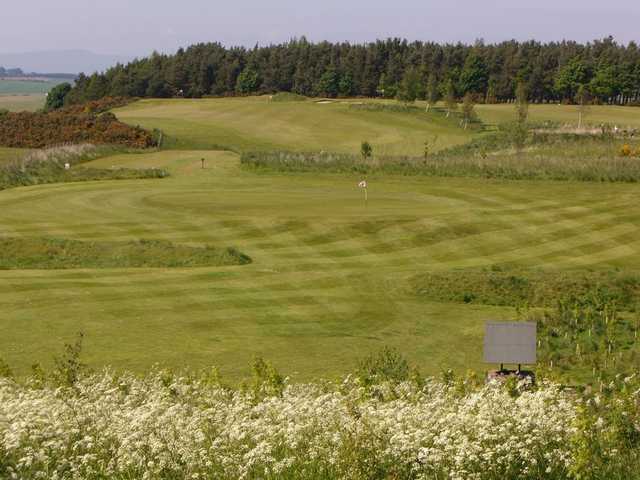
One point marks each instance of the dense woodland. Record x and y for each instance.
(552, 72)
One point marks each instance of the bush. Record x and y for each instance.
(76, 124)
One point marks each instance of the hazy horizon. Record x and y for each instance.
(125, 29)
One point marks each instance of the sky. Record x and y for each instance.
(137, 27)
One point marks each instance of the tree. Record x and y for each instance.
(328, 85)
(433, 95)
(345, 86)
(582, 100)
(247, 81)
(450, 98)
(366, 150)
(569, 79)
(522, 103)
(57, 96)
(410, 87)
(468, 109)
(474, 76)
(603, 85)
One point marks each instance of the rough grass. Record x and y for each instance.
(49, 166)
(256, 123)
(57, 254)
(330, 278)
(560, 162)
(530, 287)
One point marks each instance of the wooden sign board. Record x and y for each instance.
(510, 342)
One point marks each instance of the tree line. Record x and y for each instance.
(392, 68)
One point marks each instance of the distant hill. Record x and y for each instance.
(60, 61)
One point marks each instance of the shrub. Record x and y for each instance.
(76, 124)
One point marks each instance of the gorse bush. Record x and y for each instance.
(76, 124)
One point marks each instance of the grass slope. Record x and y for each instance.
(256, 123)
(330, 279)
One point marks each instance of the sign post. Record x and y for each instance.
(510, 343)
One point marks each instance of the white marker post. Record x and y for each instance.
(363, 185)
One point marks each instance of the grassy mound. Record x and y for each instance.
(51, 253)
(288, 97)
(529, 287)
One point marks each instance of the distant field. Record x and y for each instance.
(255, 123)
(18, 103)
(330, 278)
(25, 87)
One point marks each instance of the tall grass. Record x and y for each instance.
(53, 165)
(545, 157)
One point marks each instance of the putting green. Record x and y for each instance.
(329, 278)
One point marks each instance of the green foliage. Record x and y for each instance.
(588, 341)
(552, 71)
(248, 81)
(52, 253)
(288, 97)
(433, 91)
(570, 77)
(68, 367)
(387, 365)
(531, 287)
(366, 150)
(410, 87)
(468, 110)
(522, 104)
(266, 380)
(450, 97)
(328, 84)
(5, 369)
(56, 97)
(474, 76)
(606, 440)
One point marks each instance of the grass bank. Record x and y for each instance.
(530, 287)
(50, 166)
(52, 253)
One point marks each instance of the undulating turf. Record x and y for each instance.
(330, 278)
(257, 123)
